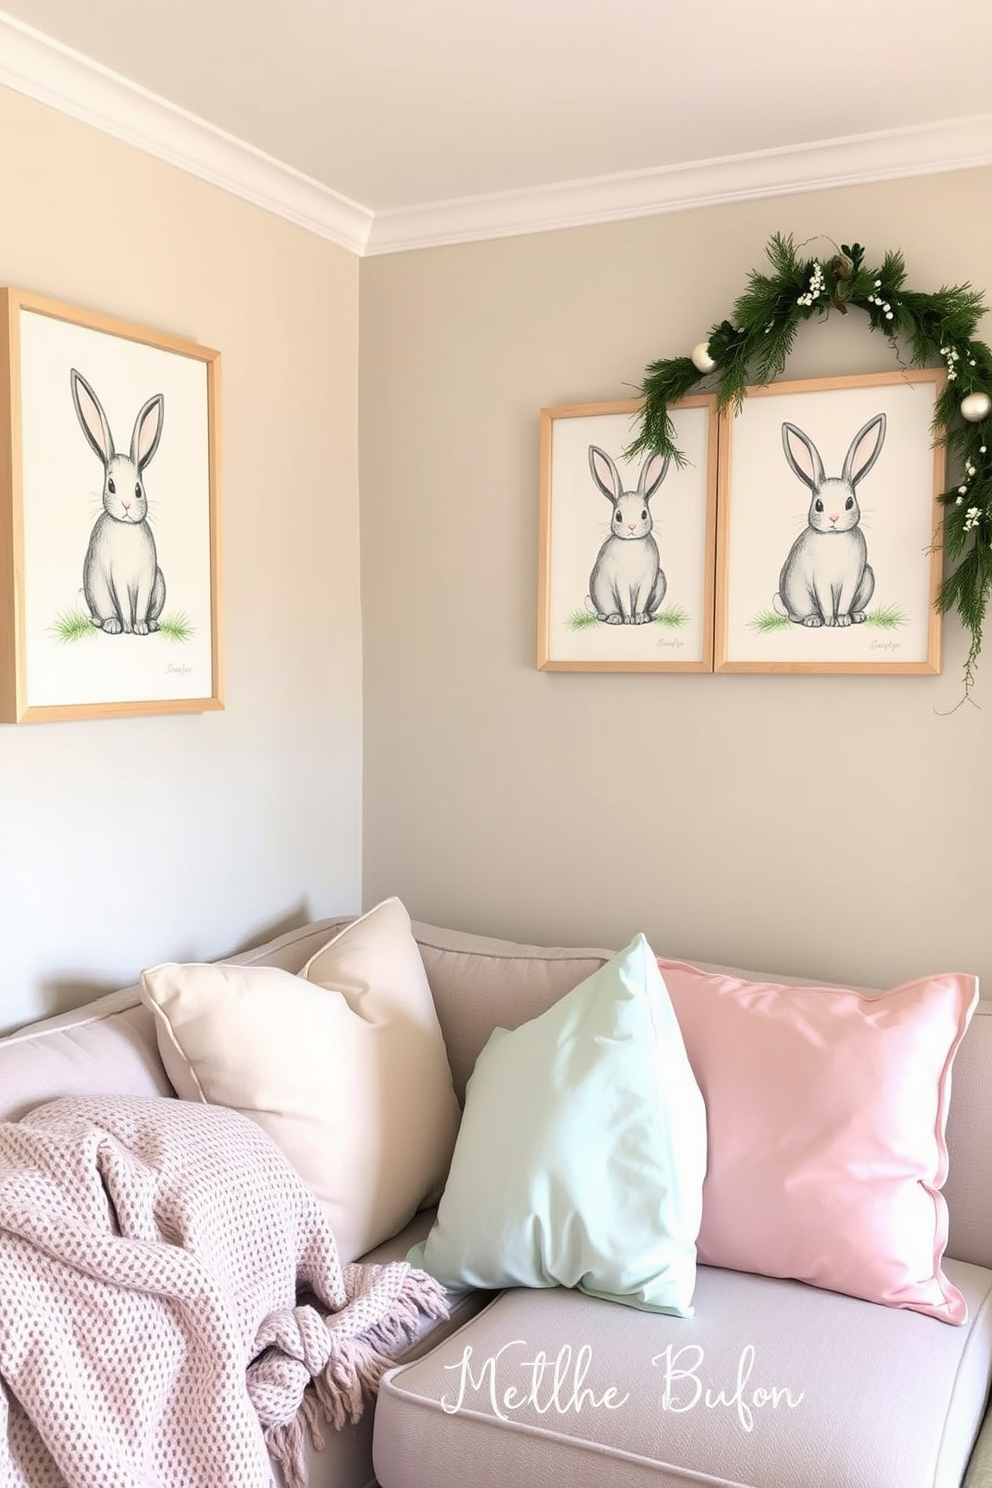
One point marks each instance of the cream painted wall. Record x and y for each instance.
(833, 826)
(129, 841)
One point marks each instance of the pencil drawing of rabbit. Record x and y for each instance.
(627, 584)
(122, 582)
(826, 579)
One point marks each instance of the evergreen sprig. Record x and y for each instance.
(753, 346)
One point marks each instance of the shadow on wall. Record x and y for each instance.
(62, 994)
(293, 919)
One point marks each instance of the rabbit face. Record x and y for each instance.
(123, 486)
(834, 507)
(631, 517)
(124, 496)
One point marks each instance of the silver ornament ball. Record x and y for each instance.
(701, 359)
(975, 407)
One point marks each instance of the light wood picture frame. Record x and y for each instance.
(627, 548)
(110, 599)
(828, 558)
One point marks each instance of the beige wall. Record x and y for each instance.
(129, 841)
(837, 826)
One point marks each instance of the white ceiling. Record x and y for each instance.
(384, 109)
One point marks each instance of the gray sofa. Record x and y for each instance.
(779, 1384)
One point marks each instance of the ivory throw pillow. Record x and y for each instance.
(826, 1113)
(581, 1153)
(344, 1066)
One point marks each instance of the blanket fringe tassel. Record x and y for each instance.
(338, 1394)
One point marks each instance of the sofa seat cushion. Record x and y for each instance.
(772, 1383)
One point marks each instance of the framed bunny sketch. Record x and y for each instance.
(109, 517)
(827, 559)
(626, 547)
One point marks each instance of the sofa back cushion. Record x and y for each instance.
(480, 984)
(108, 1047)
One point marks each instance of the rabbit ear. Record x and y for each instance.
(147, 430)
(866, 446)
(653, 472)
(605, 473)
(803, 456)
(91, 416)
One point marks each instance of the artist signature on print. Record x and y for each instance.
(178, 669)
(560, 1385)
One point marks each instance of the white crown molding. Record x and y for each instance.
(41, 68)
(35, 65)
(954, 144)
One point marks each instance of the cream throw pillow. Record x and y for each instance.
(344, 1066)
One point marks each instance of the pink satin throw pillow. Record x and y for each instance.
(826, 1112)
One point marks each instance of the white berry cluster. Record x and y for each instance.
(817, 284)
(972, 514)
(951, 356)
(876, 299)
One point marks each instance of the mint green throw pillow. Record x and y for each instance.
(582, 1151)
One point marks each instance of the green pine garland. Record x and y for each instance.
(753, 346)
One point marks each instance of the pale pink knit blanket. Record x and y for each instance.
(152, 1256)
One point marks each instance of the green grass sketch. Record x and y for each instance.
(886, 617)
(671, 619)
(75, 625)
(177, 627)
(72, 625)
(766, 621)
(581, 620)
